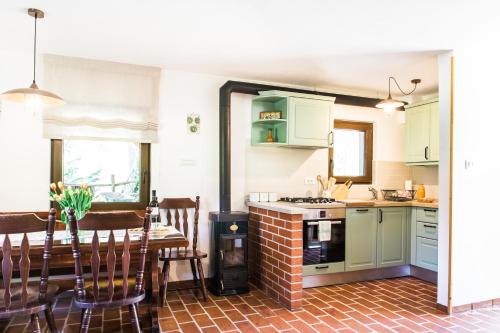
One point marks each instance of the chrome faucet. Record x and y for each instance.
(374, 192)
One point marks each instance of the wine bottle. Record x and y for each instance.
(155, 211)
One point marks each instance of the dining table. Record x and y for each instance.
(62, 258)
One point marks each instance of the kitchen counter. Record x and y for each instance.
(278, 206)
(386, 203)
(285, 207)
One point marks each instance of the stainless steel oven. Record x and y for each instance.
(324, 256)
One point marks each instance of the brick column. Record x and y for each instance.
(275, 255)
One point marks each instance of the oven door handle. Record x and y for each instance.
(317, 222)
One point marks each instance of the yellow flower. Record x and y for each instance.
(53, 187)
(84, 186)
(57, 197)
(60, 185)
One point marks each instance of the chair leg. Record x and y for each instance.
(193, 270)
(84, 326)
(165, 272)
(35, 323)
(134, 318)
(51, 323)
(202, 280)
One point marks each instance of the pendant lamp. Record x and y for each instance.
(389, 104)
(33, 96)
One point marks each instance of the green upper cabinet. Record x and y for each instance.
(310, 122)
(434, 132)
(422, 133)
(391, 237)
(306, 120)
(361, 239)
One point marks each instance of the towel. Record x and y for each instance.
(324, 231)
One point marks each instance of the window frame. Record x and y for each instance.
(56, 167)
(367, 128)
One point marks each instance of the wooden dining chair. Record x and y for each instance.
(110, 291)
(174, 205)
(26, 298)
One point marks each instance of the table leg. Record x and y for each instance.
(155, 290)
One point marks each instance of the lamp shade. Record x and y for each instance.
(389, 104)
(33, 95)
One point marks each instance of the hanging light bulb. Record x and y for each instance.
(33, 97)
(389, 104)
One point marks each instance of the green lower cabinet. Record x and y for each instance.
(391, 237)
(427, 253)
(361, 239)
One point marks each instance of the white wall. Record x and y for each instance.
(476, 226)
(24, 155)
(185, 164)
(444, 61)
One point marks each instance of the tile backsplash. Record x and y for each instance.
(392, 175)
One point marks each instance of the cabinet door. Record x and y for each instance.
(361, 239)
(427, 253)
(309, 122)
(391, 237)
(434, 132)
(417, 133)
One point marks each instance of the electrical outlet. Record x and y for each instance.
(309, 181)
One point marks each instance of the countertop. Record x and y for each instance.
(385, 203)
(288, 208)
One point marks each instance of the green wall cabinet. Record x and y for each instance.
(391, 237)
(422, 133)
(310, 122)
(306, 120)
(361, 239)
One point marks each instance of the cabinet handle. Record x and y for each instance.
(430, 210)
(330, 135)
(381, 216)
(221, 255)
(430, 226)
(321, 267)
(361, 210)
(427, 152)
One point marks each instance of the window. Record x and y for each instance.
(352, 153)
(116, 171)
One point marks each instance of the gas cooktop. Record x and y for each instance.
(313, 203)
(309, 200)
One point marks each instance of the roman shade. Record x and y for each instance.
(105, 100)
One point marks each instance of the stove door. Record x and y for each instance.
(233, 261)
(233, 251)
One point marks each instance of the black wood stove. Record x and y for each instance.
(229, 253)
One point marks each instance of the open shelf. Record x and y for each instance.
(272, 122)
(270, 144)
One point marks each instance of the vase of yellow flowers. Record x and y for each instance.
(78, 198)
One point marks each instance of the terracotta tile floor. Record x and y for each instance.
(394, 305)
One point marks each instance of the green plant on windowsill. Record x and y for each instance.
(78, 198)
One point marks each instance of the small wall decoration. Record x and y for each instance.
(270, 115)
(193, 123)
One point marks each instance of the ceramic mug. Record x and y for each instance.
(273, 197)
(253, 197)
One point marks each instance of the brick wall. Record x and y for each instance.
(275, 255)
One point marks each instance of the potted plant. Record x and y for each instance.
(78, 198)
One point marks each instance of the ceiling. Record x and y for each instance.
(342, 44)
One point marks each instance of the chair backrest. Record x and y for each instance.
(26, 223)
(182, 204)
(109, 221)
